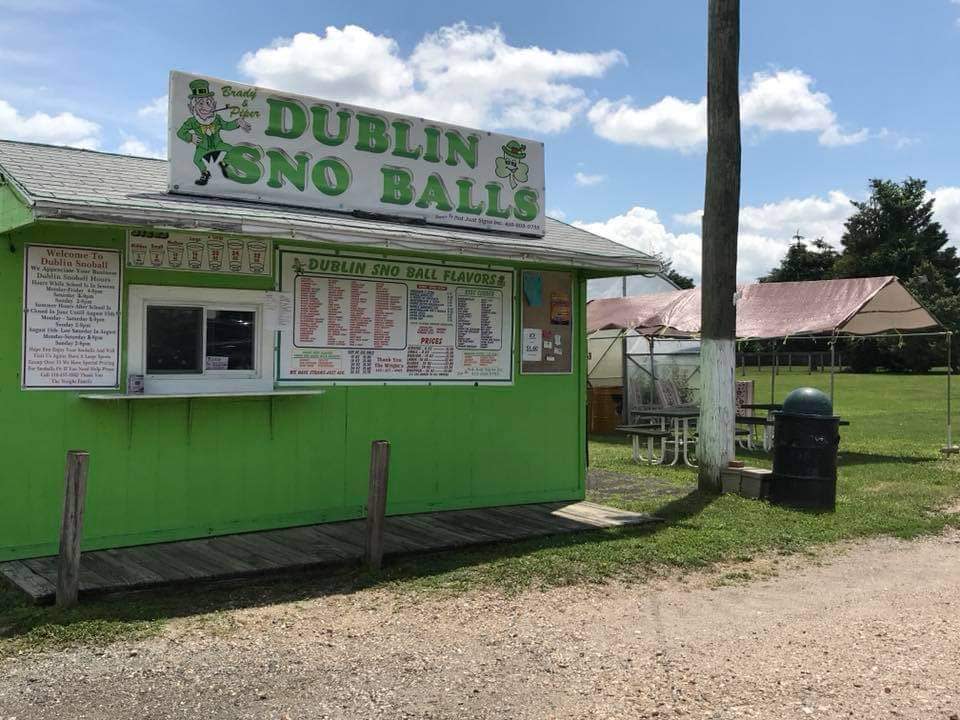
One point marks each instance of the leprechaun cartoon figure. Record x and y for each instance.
(203, 129)
(511, 165)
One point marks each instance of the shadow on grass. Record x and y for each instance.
(19, 619)
(846, 457)
(859, 458)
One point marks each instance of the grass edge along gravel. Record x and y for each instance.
(892, 481)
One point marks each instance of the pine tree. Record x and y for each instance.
(803, 263)
(893, 232)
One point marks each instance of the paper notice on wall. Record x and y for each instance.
(532, 344)
(278, 311)
(285, 311)
(71, 317)
(385, 319)
(153, 249)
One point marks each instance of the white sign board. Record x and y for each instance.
(532, 345)
(197, 252)
(369, 318)
(71, 317)
(238, 141)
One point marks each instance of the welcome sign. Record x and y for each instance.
(242, 142)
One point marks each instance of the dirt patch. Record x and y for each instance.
(606, 484)
(862, 630)
(953, 508)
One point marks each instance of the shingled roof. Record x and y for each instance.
(69, 184)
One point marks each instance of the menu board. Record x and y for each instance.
(197, 252)
(547, 316)
(71, 318)
(384, 319)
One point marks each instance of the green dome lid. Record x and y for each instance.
(808, 401)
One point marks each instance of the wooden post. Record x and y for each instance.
(71, 527)
(377, 502)
(721, 209)
(949, 447)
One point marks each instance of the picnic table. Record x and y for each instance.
(766, 422)
(679, 419)
(651, 435)
(755, 421)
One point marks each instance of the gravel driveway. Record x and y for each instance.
(867, 631)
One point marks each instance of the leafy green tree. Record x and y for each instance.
(681, 281)
(803, 263)
(894, 233)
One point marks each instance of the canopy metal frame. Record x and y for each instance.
(832, 340)
(948, 448)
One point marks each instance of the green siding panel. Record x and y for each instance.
(173, 469)
(13, 212)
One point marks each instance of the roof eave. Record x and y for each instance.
(18, 189)
(386, 236)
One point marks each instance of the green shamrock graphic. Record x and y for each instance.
(511, 165)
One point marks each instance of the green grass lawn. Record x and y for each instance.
(892, 481)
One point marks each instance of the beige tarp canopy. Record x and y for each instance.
(816, 308)
(855, 306)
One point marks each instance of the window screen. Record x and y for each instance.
(174, 339)
(230, 339)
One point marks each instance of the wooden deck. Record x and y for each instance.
(274, 551)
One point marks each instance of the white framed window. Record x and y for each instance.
(199, 340)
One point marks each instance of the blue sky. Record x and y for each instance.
(833, 93)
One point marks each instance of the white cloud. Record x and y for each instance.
(155, 109)
(694, 218)
(669, 123)
(813, 216)
(765, 231)
(946, 210)
(898, 140)
(586, 180)
(640, 228)
(556, 214)
(833, 136)
(62, 129)
(460, 74)
(135, 146)
(783, 101)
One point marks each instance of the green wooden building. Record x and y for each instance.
(227, 362)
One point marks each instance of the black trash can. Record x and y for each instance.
(805, 442)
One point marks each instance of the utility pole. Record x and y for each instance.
(721, 209)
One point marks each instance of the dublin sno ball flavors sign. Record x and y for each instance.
(249, 143)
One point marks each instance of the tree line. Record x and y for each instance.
(891, 233)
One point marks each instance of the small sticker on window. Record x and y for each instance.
(217, 362)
